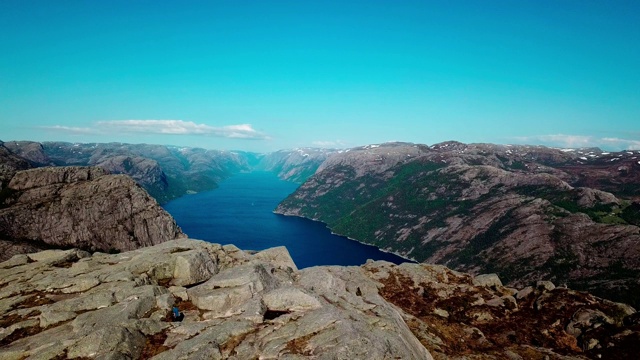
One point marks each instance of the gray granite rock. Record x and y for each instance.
(15, 260)
(487, 280)
(545, 285)
(193, 267)
(277, 256)
(107, 340)
(239, 305)
(289, 299)
(81, 207)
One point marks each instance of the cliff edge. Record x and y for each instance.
(233, 304)
(79, 207)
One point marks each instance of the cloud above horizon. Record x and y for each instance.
(71, 129)
(581, 141)
(329, 144)
(164, 127)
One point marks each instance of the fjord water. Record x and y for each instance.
(240, 212)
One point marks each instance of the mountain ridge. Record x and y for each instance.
(166, 172)
(487, 208)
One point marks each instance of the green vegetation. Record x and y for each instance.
(496, 232)
(518, 165)
(359, 209)
(568, 200)
(562, 263)
(377, 211)
(618, 270)
(5, 195)
(631, 214)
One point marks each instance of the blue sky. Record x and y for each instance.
(268, 75)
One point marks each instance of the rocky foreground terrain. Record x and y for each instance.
(60, 304)
(525, 212)
(79, 207)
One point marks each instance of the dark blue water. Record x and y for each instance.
(239, 212)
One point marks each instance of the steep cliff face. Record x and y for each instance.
(145, 172)
(63, 207)
(244, 305)
(10, 163)
(295, 165)
(31, 151)
(484, 208)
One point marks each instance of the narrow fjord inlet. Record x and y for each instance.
(240, 212)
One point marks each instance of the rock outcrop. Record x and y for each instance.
(60, 304)
(514, 210)
(10, 163)
(81, 207)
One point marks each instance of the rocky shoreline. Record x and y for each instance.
(390, 251)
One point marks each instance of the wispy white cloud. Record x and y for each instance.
(166, 127)
(622, 143)
(559, 140)
(580, 141)
(329, 144)
(71, 129)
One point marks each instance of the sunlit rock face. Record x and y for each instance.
(234, 304)
(82, 207)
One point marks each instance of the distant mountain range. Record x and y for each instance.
(166, 172)
(520, 211)
(294, 165)
(525, 212)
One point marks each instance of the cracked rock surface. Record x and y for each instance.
(79, 207)
(59, 304)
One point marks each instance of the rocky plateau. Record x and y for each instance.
(59, 304)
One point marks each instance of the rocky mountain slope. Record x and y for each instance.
(10, 163)
(244, 305)
(82, 207)
(520, 211)
(295, 165)
(166, 172)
